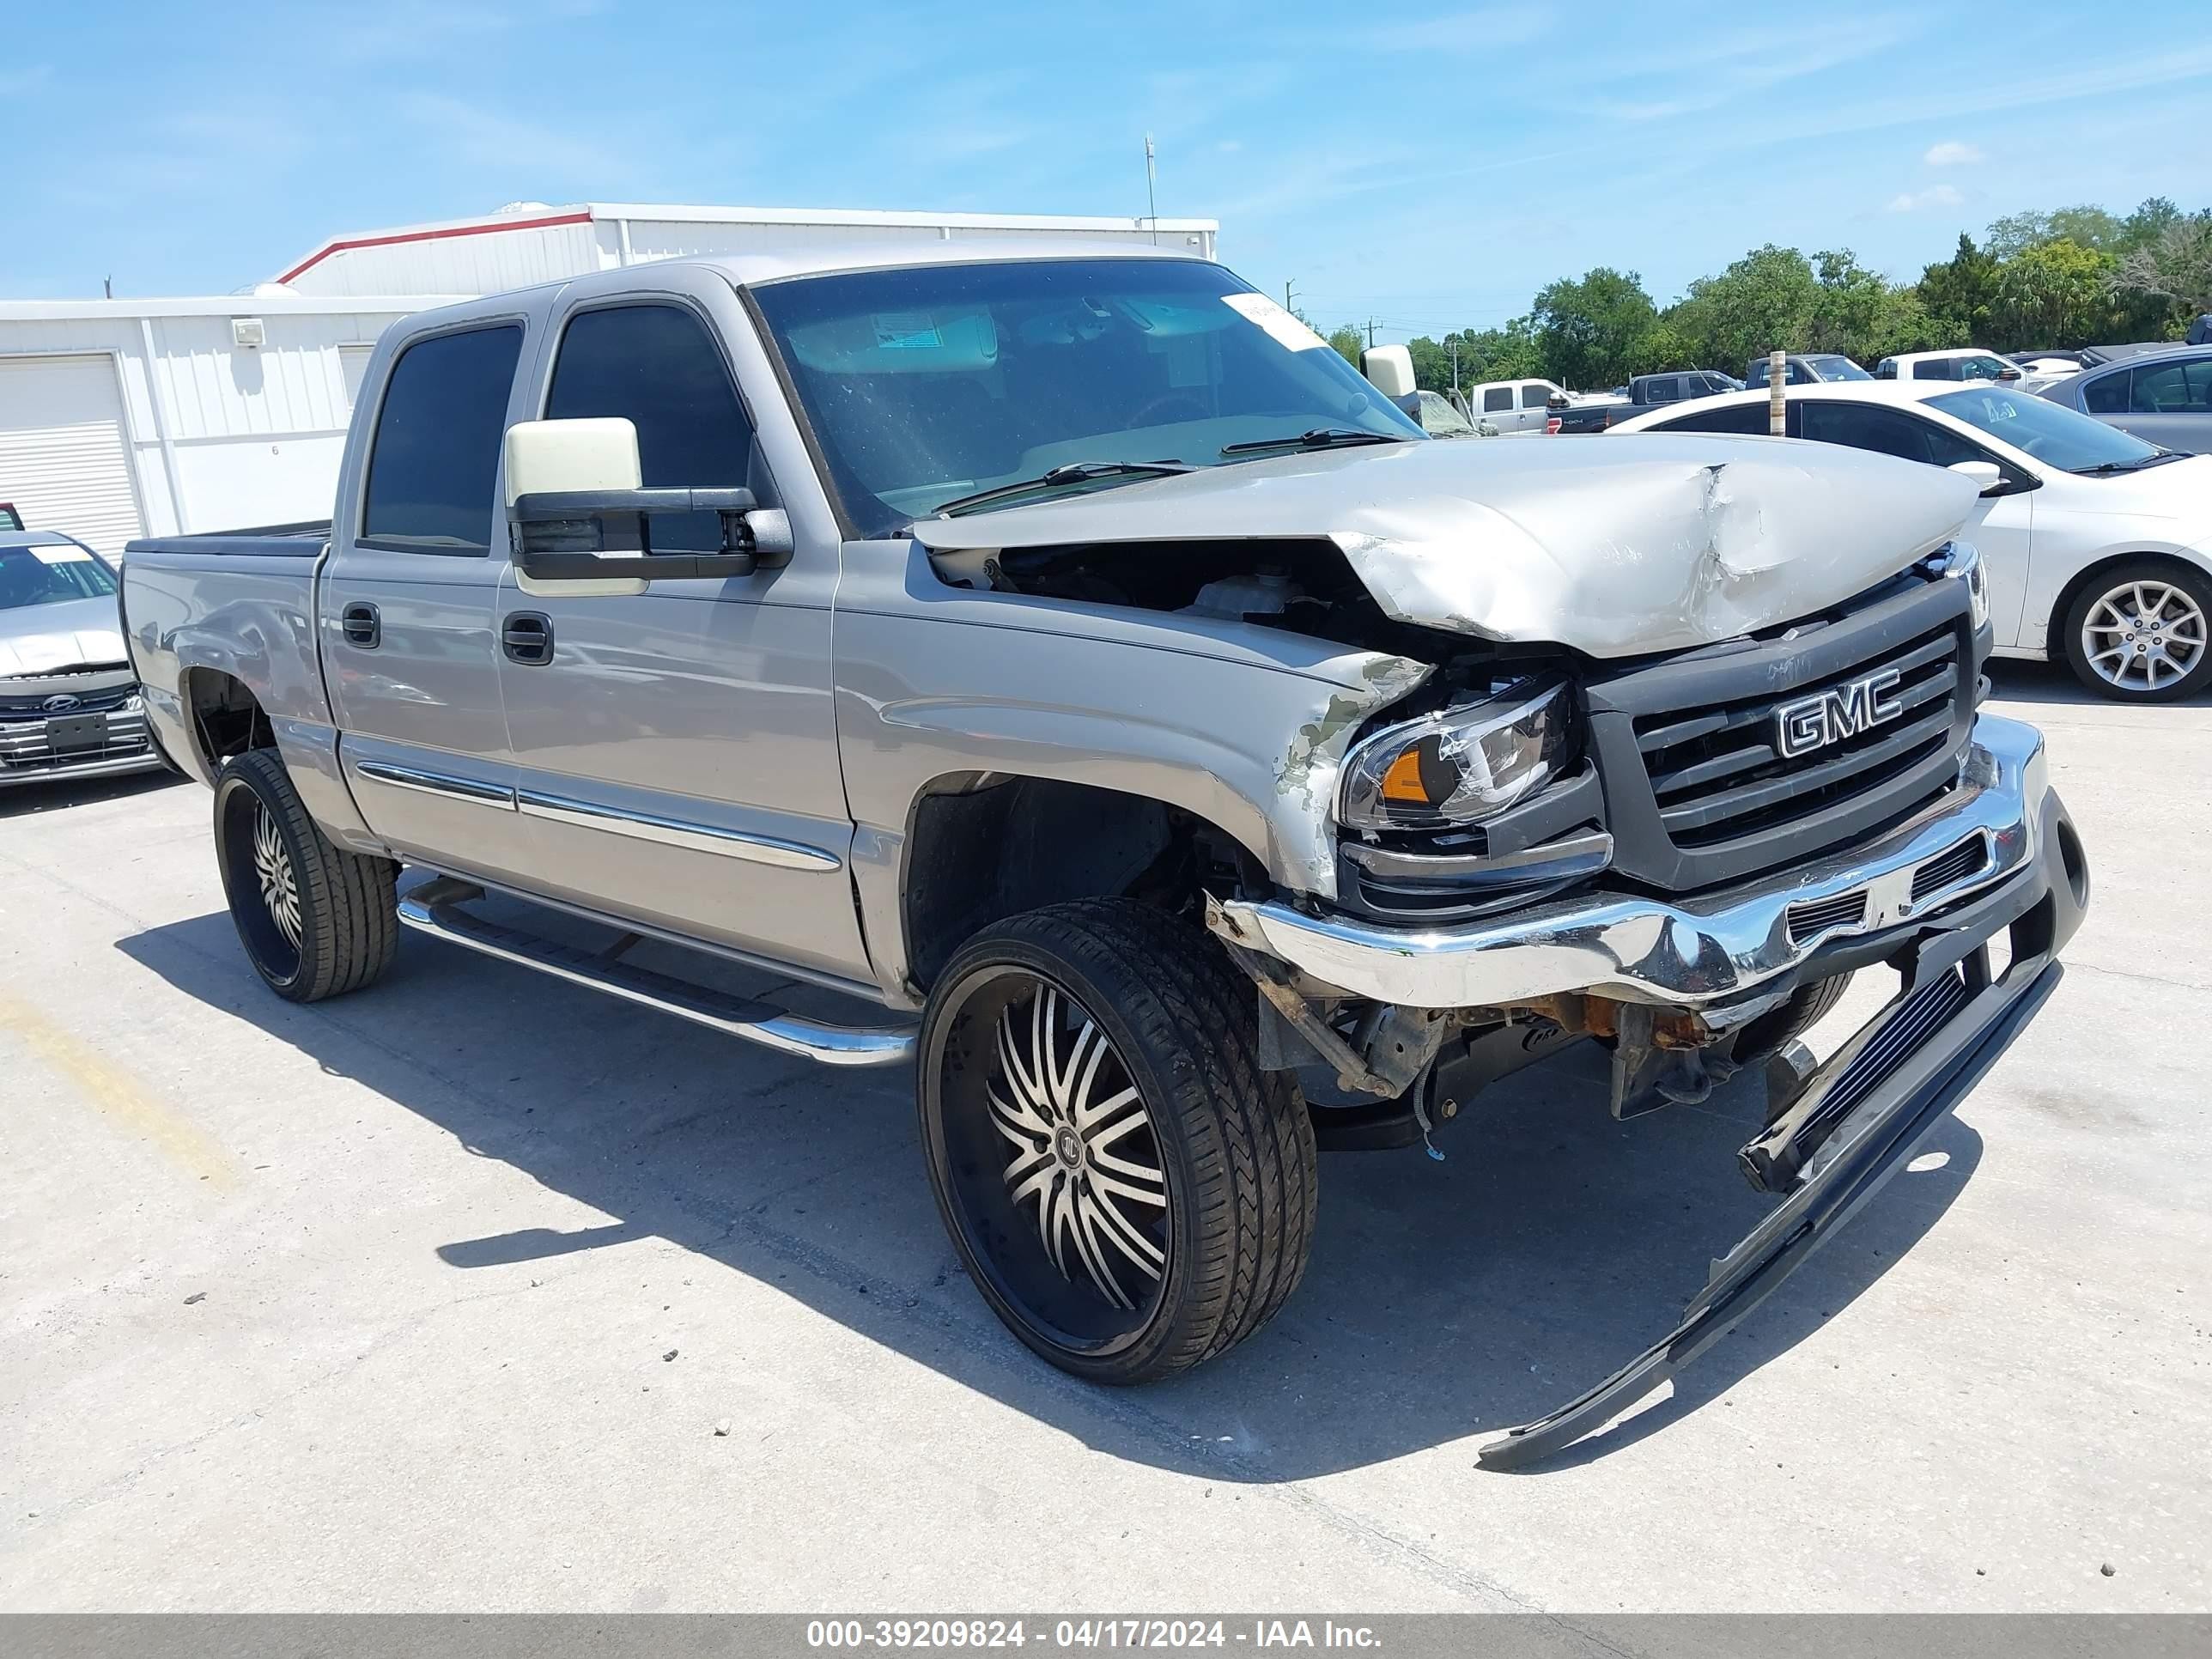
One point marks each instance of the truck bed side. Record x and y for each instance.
(222, 631)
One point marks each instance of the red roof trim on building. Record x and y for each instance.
(328, 249)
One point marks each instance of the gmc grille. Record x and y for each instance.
(1699, 790)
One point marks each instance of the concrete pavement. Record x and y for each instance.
(372, 1304)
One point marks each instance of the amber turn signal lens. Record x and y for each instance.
(1403, 780)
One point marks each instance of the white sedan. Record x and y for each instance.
(2098, 546)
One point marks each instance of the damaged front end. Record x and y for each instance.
(1686, 992)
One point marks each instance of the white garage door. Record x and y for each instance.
(63, 458)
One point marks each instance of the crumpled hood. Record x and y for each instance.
(38, 638)
(1612, 547)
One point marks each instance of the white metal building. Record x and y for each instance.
(129, 417)
(530, 242)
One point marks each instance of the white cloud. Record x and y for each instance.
(1951, 154)
(1934, 196)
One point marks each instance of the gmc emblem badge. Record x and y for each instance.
(1842, 711)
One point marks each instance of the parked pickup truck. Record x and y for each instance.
(1181, 762)
(1569, 417)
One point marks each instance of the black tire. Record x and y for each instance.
(1233, 1146)
(343, 904)
(2123, 579)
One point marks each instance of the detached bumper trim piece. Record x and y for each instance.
(1872, 1143)
(1695, 951)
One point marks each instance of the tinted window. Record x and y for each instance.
(1534, 396)
(2107, 394)
(1885, 369)
(1942, 368)
(436, 455)
(1498, 397)
(2172, 389)
(1744, 419)
(1887, 432)
(657, 367)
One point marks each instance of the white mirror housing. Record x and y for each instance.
(1390, 369)
(1986, 474)
(543, 456)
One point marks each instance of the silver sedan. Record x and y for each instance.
(69, 702)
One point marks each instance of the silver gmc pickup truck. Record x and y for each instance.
(1182, 763)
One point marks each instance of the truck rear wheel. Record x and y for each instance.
(1130, 1192)
(315, 919)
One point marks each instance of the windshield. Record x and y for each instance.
(2052, 433)
(50, 575)
(1837, 368)
(1440, 420)
(928, 384)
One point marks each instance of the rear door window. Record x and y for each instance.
(1938, 368)
(1887, 432)
(2107, 394)
(433, 465)
(658, 366)
(1497, 399)
(1746, 420)
(2171, 389)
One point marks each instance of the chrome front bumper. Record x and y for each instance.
(1696, 952)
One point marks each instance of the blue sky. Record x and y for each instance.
(1427, 165)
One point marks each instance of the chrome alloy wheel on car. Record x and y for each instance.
(2143, 635)
(1084, 1162)
(272, 865)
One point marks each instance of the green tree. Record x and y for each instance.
(2161, 286)
(1349, 342)
(2055, 293)
(2147, 224)
(1591, 332)
(1765, 300)
(1958, 293)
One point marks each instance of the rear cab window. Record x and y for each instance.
(433, 462)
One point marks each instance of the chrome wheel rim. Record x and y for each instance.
(2143, 636)
(272, 868)
(1084, 1164)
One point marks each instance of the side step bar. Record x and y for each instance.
(436, 909)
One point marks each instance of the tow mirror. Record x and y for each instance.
(575, 511)
(1987, 476)
(1391, 369)
(2009, 372)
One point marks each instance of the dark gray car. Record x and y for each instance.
(69, 701)
(2160, 396)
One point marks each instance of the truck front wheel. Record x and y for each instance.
(315, 919)
(1130, 1192)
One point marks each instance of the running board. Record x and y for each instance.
(436, 909)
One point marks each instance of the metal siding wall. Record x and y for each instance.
(256, 434)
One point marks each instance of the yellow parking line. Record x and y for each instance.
(120, 1097)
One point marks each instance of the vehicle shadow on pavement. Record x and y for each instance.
(2049, 684)
(1444, 1302)
(58, 794)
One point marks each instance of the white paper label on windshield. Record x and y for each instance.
(1282, 327)
(61, 555)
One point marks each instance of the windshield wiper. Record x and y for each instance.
(1055, 477)
(1321, 437)
(2106, 469)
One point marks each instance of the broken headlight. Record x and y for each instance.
(1461, 764)
(1962, 561)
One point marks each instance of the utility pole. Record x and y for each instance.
(1287, 306)
(1151, 180)
(1370, 334)
(1455, 349)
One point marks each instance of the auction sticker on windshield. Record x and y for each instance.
(1281, 325)
(61, 555)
